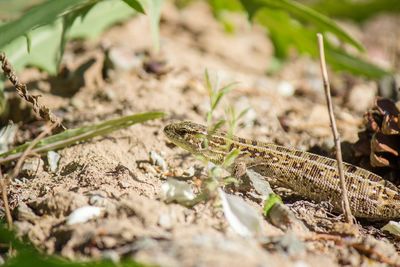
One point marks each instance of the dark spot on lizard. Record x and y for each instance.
(298, 153)
(351, 169)
(297, 165)
(242, 140)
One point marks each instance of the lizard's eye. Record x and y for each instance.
(180, 132)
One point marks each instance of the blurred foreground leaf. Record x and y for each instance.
(39, 15)
(153, 10)
(27, 255)
(301, 13)
(286, 33)
(73, 136)
(46, 40)
(290, 24)
(356, 10)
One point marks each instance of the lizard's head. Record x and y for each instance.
(187, 134)
(193, 137)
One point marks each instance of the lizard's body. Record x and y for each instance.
(311, 176)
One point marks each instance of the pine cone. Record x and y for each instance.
(378, 147)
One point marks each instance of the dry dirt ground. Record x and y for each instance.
(115, 173)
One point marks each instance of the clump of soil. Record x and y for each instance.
(115, 173)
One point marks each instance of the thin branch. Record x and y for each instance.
(4, 197)
(48, 128)
(6, 181)
(41, 110)
(345, 200)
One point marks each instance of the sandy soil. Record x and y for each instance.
(115, 173)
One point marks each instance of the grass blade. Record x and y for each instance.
(73, 136)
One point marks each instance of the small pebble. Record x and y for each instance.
(157, 160)
(53, 158)
(83, 214)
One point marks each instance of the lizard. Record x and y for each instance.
(312, 176)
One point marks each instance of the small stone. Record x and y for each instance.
(111, 255)
(285, 88)
(362, 97)
(53, 158)
(157, 160)
(123, 59)
(83, 214)
(189, 172)
(165, 221)
(124, 184)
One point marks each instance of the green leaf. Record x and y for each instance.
(230, 158)
(73, 136)
(220, 9)
(221, 92)
(153, 11)
(45, 43)
(39, 15)
(270, 202)
(209, 86)
(365, 9)
(27, 255)
(98, 18)
(13, 9)
(340, 60)
(286, 33)
(88, 22)
(302, 12)
(215, 127)
(67, 22)
(135, 5)
(242, 114)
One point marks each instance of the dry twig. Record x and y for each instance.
(5, 181)
(4, 197)
(48, 128)
(41, 110)
(345, 200)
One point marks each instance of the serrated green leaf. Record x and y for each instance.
(100, 17)
(302, 12)
(67, 22)
(45, 43)
(28, 42)
(39, 15)
(46, 40)
(12, 9)
(135, 5)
